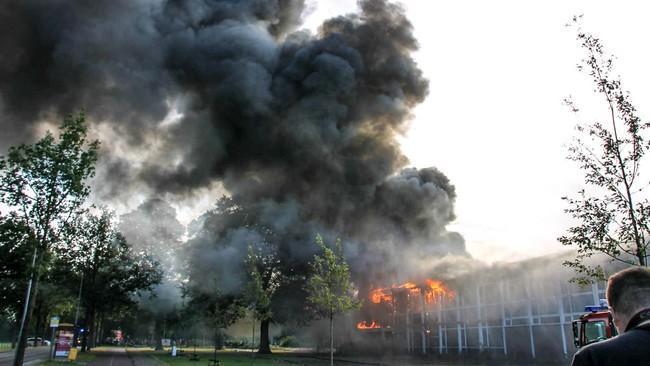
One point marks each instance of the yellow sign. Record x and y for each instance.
(72, 355)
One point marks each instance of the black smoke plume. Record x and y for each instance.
(300, 127)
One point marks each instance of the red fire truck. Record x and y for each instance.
(593, 326)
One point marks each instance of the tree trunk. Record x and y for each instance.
(265, 346)
(640, 245)
(102, 326)
(92, 330)
(87, 339)
(159, 335)
(22, 342)
(38, 315)
(253, 339)
(98, 330)
(331, 339)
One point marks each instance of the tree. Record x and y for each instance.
(16, 247)
(612, 214)
(329, 286)
(219, 309)
(44, 185)
(264, 276)
(219, 249)
(111, 270)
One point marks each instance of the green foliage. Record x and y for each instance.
(44, 184)
(264, 276)
(329, 286)
(612, 215)
(112, 270)
(16, 247)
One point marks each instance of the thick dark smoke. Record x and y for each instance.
(302, 127)
(153, 228)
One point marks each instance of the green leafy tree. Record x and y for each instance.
(264, 278)
(229, 228)
(44, 186)
(329, 286)
(16, 247)
(112, 271)
(611, 213)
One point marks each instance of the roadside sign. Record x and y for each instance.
(63, 342)
(54, 322)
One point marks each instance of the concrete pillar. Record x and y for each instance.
(408, 323)
(480, 324)
(440, 325)
(459, 332)
(560, 301)
(530, 322)
(503, 319)
(424, 330)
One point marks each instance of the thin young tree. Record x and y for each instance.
(328, 286)
(611, 212)
(44, 186)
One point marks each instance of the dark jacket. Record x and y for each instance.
(629, 348)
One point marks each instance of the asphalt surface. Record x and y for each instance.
(32, 356)
(113, 357)
(119, 357)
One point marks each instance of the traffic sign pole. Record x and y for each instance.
(54, 323)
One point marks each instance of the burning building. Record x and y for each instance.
(405, 311)
(512, 311)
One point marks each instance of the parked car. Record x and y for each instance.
(39, 341)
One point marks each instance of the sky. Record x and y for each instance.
(494, 121)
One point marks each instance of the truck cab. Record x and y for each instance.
(593, 326)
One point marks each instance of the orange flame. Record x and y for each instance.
(437, 290)
(379, 295)
(364, 325)
(433, 290)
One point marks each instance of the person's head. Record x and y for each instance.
(628, 292)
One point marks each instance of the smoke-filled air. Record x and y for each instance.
(301, 127)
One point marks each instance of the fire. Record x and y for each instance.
(363, 325)
(433, 290)
(379, 295)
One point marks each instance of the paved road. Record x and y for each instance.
(32, 354)
(113, 357)
(119, 357)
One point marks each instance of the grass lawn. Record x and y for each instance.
(237, 358)
(5, 346)
(82, 359)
